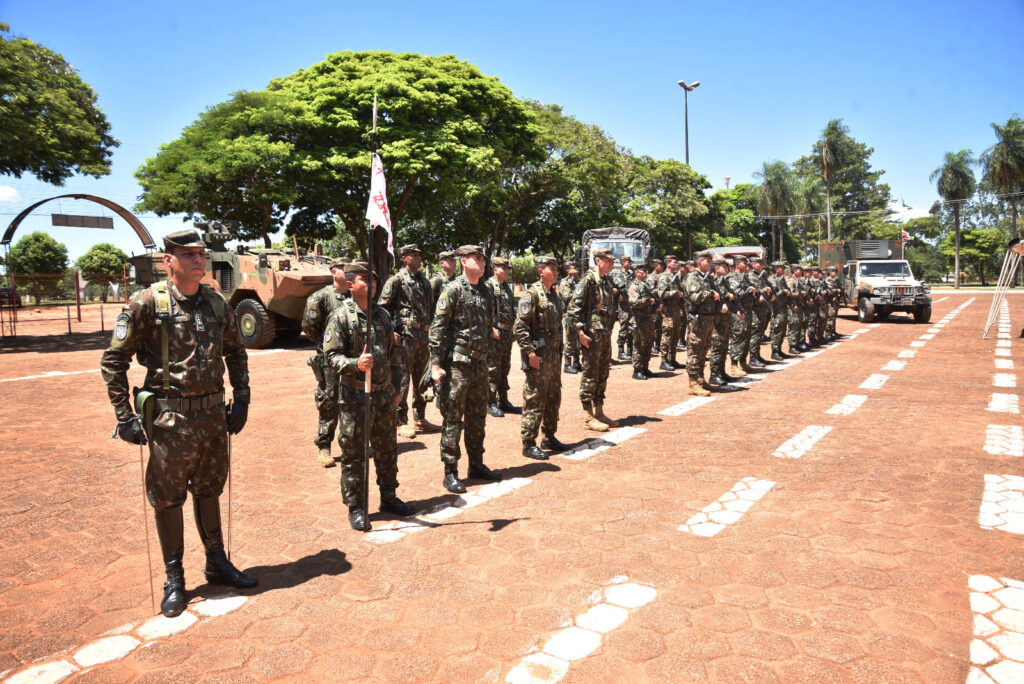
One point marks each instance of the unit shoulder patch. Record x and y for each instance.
(121, 327)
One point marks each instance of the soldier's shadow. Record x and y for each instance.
(633, 421)
(285, 575)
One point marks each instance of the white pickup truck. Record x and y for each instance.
(876, 288)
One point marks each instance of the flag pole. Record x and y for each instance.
(369, 338)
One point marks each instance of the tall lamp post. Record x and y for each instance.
(686, 113)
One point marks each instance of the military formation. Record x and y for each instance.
(448, 339)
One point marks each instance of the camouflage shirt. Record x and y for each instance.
(592, 307)
(505, 302)
(621, 280)
(539, 317)
(566, 286)
(740, 288)
(642, 299)
(407, 296)
(700, 294)
(344, 340)
(438, 281)
(780, 287)
(763, 286)
(462, 322)
(319, 307)
(202, 340)
(668, 289)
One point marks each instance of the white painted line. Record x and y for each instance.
(937, 301)
(997, 650)
(47, 672)
(1003, 335)
(928, 336)
(51, 374)
(1004, 440)
(849, 404)
(1004, 364)
(106, 650)
(594, 446)
(686, 406)
(1002, 352)
(917, 343)
(728, 509)
(585, 636)
(861, 331)
(894, 365)
(1002, 504)
(1004, 380)
(1003, 343)
(907, 353)
(874, 381)
(1004, 403)
(161, 626)
(874, 325)
(798, 445)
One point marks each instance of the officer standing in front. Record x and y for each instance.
(184, 333)
(538, 330)
(592, 314)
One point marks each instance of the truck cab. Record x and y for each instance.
(876, 288)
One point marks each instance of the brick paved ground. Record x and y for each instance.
(855, 554)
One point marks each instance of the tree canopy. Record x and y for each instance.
(37, 253)
(50, 125)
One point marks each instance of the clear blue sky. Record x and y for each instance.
(913, 80)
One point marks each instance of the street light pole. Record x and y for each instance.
(686, 114)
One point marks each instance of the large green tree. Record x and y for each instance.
(979, 250)
(732, 218)
(956, 183)
(50, 125)
(38, 253)
(777, 198)
(666, 197)
(103, 263)
(1003, 165)
(851, 184)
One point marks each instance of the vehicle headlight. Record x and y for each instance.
(881, 290)
(925, 289)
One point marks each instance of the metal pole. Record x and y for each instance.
(229, 496)
(69, 318)
(78, 296)
(102, 329)
(686, 121)
(369, 340)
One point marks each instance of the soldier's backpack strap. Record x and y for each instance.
(352, 319)
(162, 299)
(217, 303)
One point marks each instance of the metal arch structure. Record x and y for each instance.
(133, 221)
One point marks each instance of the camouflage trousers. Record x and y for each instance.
(415, 357)
(719, 350)
(643, 338)
(778, 332)
(383, 442)
(671, 325)
(833, 313)
(188, 452)
(808, 322)
(499, 362)
(572, 342)
(542, 397)
(465, 410)
(626, 326)
(596, 360)
(795, 322)
(656, 337)
(761, 317)
(698, 339)
(822, 321)
(739, 343)
(326, 399)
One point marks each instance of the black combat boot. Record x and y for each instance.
(506, 406)
(357, 519)
(219, 570)
(667, 365)
(638, 375)
(777, 355)
(478, 471)
(171, 532)
(717, 380)
(552, 443)
(755, 362)
(451, 480)
(648, 373)
(569, 368)
(494, 410)
(531, 451)
(622, 353)
(390, 503)
(576, 362)
(629, 350)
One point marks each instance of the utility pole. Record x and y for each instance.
(686, 114)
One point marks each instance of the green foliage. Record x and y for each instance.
(926, 260)
(37, 253)
(956, 184)
(1003, 164)
(50, 124)
(981, 251)
(666, 197)
(523, 269)
(777, 196)
(731, 218)
(103, 264)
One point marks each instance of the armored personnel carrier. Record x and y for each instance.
(268, 288)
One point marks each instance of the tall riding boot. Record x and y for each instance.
(219, 570)
(171, 532)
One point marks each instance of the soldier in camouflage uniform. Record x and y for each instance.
(318, 311)
(566, 286)
(740, 311)
(702, 301)
(813, 306)
(781, 305)
(657, 268)
(407, 297)
(810, 309)
(621, 279)
(351, 356)
(592, 314)
(795, 320)
(825, 297)
(644, 304)
(538, 331)
(833, 284)
(722, 328)
(462, 329)
(669, 294)
(184, 334)
(444, 276)
(501, 346)
(762, 311)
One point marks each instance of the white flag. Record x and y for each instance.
(377, 210)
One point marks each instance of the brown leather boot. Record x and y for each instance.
(600, 415)
(696, 389)
(591, 422)
(736, 370)
(424, 425)
(406, 431)
(324, 458)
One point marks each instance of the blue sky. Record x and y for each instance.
(913, 80)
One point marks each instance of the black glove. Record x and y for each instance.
(238, 413)
(130, 430)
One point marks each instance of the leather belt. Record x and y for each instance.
(189, 404)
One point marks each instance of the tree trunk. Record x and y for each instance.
(956, 252)
(981, 272)
(774, 255)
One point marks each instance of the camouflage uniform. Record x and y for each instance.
(780, 309)
(319, 308)
(652, 281)
(407, 297)
(761, 313)
(668, 293)
(462, 325)
(795, 314)
(740, 313)
(538, 329)
(643, 302)
(701, 307)
(836, 294)
(566, 286)
(592, 310)
(501, 348)
(344, 341)
(721, 328)
(810, 310)
(825, 295)
(621, 280)
(439, 281)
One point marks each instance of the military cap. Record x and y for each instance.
(832, 268)
(182, 238)
(777, 264)
(357, 267)
(655, 262)
(702, 257)
(737, 258)
(447, 255)
(626, 257)
(338, 263)
(499, 261)
(604, 253)
(719, 261)
(757, 259)
(794, 267)
(469, 250)
(640, 266)
(546, 261)
(690, 264)
(410, 249)
(671, 257)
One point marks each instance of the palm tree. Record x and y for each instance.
(776, 197)
(955, 185)
(1003, 165)
(810, 199)
(829, 145)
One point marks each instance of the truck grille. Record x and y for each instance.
(224, 275)
(903, 290)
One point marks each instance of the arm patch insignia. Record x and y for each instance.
(121, 327)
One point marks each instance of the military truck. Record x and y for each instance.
(268, 288)
(632, 242)
(878, 279)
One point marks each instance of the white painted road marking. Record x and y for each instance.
(1004, 440)
(917, 343)
(997, 650)
(51, 374)
(1003, 403)
(797, 446)
(1001, 352)
(1002, 504)
(729, 508)
(1004, 364)
(849, 404)
(874, 381)
(603, 443)
(1004, 380)
(937, 301)
(894, 365)
(907, 353)
(686, 406)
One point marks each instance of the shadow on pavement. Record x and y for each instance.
(632, 421)
(49, 344)
(286, 575)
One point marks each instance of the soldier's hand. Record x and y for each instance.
(584, 340)
(130, 430)
(398, 340)
(725, 308)
(238, 414)
(761, 299)
(365, 362)
(436, 373)
(786, 292)
(495, 333)
(534, 361)
(716, 296)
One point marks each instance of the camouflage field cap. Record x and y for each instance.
(719, 261)
(655, 262)
(639, 266)
(671, 257)
(358, 268)
(778, 264)
(700, 258)
(758, 260)
(738, 258)
(410, 249)
(625, 257)
(499, 261)
(469, 250)
(447, 255)
(690, 264)
(546, 261)
(604, 253)
(338, 263)
(794, 267)
(182, 238)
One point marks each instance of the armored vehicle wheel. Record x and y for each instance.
(865, 311)
(881, 313)
(923, 313)
(254, 324)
